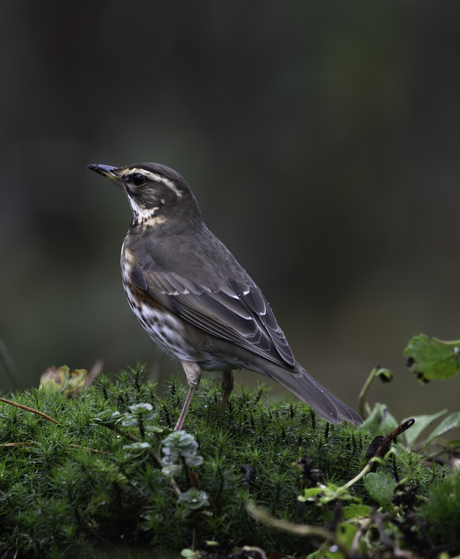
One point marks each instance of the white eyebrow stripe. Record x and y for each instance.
(153, 177)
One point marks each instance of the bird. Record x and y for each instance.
(195, 300)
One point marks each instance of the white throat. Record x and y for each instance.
(142, 215)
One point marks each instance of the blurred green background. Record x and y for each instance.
(320, 138)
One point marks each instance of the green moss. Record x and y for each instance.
(58, 495)
(442, 512)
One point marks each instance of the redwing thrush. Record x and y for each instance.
(195, 300)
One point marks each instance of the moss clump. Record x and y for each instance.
(80, 488)
(441, 513)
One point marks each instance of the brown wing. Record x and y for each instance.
(234, 310)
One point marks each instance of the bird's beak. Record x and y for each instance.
(105, 170)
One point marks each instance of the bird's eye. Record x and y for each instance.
(138, 179)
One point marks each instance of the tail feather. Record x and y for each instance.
(316, 396)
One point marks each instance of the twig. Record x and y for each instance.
(382, 449)
(28, 443)
(31, 443)
(363, 527)
(266, 518)
(385, 540)
(94, 373)
(26, 408)
(91, 449)
(258, 550)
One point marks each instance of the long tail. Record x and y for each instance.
(312, 393)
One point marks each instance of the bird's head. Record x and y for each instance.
(156, 194)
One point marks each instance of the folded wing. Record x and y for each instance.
(234, 310)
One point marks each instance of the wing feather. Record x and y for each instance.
(235, 311)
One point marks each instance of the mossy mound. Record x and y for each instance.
(84, 489)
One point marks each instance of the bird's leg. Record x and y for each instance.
(193, 374)
(228, 384)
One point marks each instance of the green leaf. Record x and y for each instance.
(194, 498)
(316, 554)
(450, 422)
(388, 423)
(310, 493)
(421, 423)
(324, 554)
(356, 511)
(154, 429)
(327, 493)
(380, 419)
(431, 358)
(345, 534)
(381, 488)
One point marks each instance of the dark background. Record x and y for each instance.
(320, 138)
